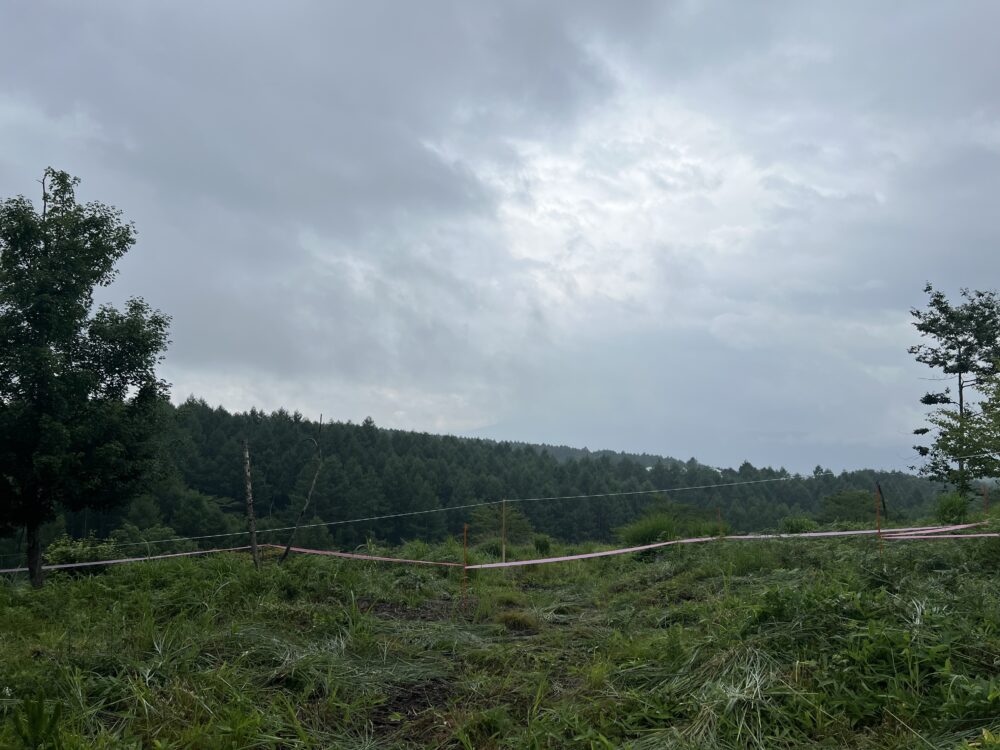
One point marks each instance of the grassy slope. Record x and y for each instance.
(726, 645)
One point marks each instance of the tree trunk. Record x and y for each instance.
(962, 484)
(35, 572)
(302, 512)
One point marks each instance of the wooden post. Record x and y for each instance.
(312, 486)
(878, 519)
(503, 531)
(302, 511)
(251, 518)
(465, 563)
(718, 515)
(35, 572)
(881, 497)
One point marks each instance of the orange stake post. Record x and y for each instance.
(503, 531)
(878, 519)
(465, 564)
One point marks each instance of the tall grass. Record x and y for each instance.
(785, 644)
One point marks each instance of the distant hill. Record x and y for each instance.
(566, 453)
(371, 472)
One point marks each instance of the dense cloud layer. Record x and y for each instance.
(691, 228)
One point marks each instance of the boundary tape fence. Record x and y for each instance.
(911, 533)
(468, 506)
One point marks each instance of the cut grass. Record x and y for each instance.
(780, 645)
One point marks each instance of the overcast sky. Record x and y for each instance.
(687, 228)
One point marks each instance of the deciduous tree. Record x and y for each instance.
(964, 345)
(79, 395)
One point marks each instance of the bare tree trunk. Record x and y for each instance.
(302, 512)
(251, 518)
(961, 421)
(35, 572)
(312, 486)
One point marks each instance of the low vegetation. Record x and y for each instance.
(778, 644)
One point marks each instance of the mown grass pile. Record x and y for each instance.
(781, 644)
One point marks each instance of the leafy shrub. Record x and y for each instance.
(799, 524)
(65, 549)
(705, 528)
(656, 527)
(952, 508)
(313, 536)
(491, 548)
(135, 541)
(36, 727)
(543, 544)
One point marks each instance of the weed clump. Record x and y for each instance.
(518, 621)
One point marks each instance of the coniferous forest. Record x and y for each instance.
(367, 471)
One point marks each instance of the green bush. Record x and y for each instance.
(134, 542)
(65, 549)
(543, 544)
(656, 527)
(799, 524)
(952, 508)
(491, 548)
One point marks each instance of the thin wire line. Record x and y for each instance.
(486, 503)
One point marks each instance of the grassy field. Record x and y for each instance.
(724, 645)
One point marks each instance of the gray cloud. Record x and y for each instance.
(693, 228)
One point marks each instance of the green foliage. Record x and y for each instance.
(543, 544)
(517, 620)
(656, 527)
(79, 396)
(149, 541)
(848, 506)
(953, 507)
(371, 472)
(487, 521)
(65, 549)
(783, 644)
(195, 514)
(35, 726)
(964, 344)
(313, 536)
(668, 521)
(798, 524)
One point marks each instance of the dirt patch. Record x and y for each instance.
(427, 611)
(410, 702)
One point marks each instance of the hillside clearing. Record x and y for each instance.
(774, 645)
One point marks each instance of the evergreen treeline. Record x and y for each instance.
(368, 471)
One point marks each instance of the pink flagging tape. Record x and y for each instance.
(937, 530)
(856, 532)
(63, 566)
(910, 533)
(736, 537)
(355, 556)
(982, 535)
(588, 555)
